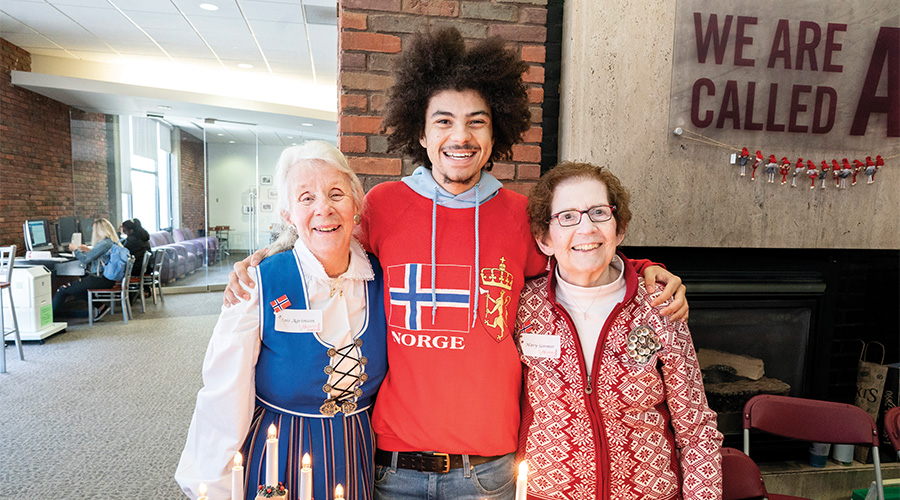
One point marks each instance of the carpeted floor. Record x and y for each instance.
(102, 411)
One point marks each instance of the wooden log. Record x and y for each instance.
(743, 366)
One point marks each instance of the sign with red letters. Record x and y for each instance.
(811, 74)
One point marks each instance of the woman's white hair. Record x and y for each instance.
(299, 157)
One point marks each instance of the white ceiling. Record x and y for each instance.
(173, 58)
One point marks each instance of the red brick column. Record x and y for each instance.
(371, 37)
(35, 153)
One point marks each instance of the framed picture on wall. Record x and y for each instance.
(273, 193)
(265, 206)
(265, 180)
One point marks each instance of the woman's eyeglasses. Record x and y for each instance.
(567, 218)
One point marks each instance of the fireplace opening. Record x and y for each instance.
(755, 335)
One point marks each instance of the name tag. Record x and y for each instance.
(540, 346)
(298, 320)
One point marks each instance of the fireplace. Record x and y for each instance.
(802, 312)
(767, 319)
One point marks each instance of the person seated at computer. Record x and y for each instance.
(93, 257)
(137, 241)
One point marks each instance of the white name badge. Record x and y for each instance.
(540, 346)
(298, 320)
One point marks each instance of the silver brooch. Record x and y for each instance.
(329, 408)
(642, 343)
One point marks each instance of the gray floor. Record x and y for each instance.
(102, 411)
(215, 274)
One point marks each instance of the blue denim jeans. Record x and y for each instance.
(494, 480)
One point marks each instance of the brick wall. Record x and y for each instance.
(89, 164)
(193, 210)
(35, 152)
(371, 37)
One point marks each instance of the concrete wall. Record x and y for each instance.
(616, 79)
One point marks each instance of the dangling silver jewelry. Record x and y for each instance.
(292, 229)
(357, 218)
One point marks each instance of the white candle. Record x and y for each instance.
(202, 491)
(306, 485)
(522, 481)
(272, 457)
(237, 478)
(339, 493)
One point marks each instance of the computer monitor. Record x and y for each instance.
(87, 230)
(37, 235)
(65, 228)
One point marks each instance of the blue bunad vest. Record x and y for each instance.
(292, 374)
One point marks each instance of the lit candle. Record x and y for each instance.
(306, 485)
(237, 478)
(339, 493)
(522, 481)
(202, 491)
(272, 457)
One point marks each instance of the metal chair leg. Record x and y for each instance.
(12, 308)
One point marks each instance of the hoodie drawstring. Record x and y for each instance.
(433, 259)
(477, 249)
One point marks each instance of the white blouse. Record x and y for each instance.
(226, 402)
(590, 306)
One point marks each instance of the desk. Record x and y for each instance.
(62, 270)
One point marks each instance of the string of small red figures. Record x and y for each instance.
(842, 173)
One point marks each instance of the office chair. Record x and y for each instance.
(815, 421)
(7, 257)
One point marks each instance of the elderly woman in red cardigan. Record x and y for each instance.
(614, 405)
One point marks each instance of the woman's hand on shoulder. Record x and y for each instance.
(234, 292)
(678, 308)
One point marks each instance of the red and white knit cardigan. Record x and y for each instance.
(637, 431)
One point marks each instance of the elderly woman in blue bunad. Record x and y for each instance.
(306, 353)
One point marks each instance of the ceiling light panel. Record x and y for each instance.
(192, 9)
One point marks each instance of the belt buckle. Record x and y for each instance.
(447, 458)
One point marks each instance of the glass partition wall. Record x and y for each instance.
(204, 189)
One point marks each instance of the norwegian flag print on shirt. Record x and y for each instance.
(409, 288)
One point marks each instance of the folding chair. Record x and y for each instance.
(741, 479)
(7, 257)
(154, 278)
(815, 421)
(892, 425)
(111, 295)
(136, 283)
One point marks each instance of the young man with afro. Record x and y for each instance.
(456, 248)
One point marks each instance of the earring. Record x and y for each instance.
(357, 218)
(292, 229)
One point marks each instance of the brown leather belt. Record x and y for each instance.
(429, 462)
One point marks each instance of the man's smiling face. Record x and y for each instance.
(458, 137)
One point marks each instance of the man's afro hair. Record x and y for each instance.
(438, 61)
